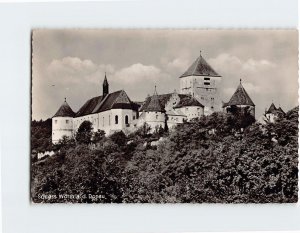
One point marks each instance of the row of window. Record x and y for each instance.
(116, 120)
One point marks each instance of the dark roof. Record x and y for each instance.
(272, 109)
(280, 110)
(115, 100)
(185, 100)
(105, 82)
(240, 97)
(200, 68)
(188, 101)
(64, 111)
(154, 104)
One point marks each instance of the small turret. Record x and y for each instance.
(62, 122)
(105, 86)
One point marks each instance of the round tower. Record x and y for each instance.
(155, 113)
(62, 122)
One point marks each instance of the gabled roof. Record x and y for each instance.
(240, 97)
(188, 101)
(280, 110)
(64, 111)
(115, 100)
(185, 101)
(200, 68)
(272, 109)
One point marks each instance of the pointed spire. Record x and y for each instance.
(105, 86)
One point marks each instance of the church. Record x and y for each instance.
(199, 95)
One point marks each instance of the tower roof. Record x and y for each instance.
(105, 82)
(64, 111)
(200, 68)
(280, 110)
(154, 104)
(272, 108)
(240, 97)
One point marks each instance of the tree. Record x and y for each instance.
(84, 133)
(98, 136)
(119, 138)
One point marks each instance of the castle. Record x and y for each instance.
(199, 95)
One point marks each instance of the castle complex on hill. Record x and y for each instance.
(199, 95)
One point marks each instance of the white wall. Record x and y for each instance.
(208, 95)
(61, 126)
(106, 120)
(192, 111)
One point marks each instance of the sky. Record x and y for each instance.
(71, 63)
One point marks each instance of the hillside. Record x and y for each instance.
(207, 160)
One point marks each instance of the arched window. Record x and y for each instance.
(126, 120)
(116, 119)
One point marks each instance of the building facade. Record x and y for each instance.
(199, 95)
(202, 82)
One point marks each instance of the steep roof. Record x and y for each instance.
(280, 110)
(115, 100)
(188, 101)
(185, 101)
(154, 104)
(240, 97)
(200, 68)
(272, 108)
(64, 111)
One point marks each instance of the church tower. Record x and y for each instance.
(202, 82)
(105, 86)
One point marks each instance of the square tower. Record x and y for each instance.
(202, 82)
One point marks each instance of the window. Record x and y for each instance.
(206, 83)
(133, 117)
(67, 121)
(55, 121)
(126, 120)
(108, 119)
(207, 79)
(156, 117)
(186, 109)
(103, 121)
(116, 119)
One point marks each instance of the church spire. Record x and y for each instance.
(105, 86)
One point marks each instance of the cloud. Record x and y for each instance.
(229, 63)
(137, 73)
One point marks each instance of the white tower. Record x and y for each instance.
(202, 82)
(62, 122)
(154, 113)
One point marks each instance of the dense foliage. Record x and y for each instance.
(211, 159)
(41, 135)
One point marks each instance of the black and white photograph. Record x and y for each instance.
(164, 116)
